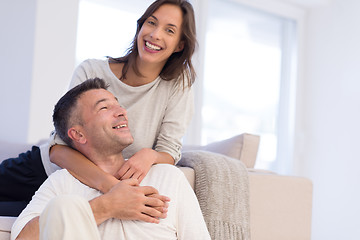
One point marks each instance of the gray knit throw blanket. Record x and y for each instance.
(222, 189)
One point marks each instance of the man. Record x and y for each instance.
(90, 119)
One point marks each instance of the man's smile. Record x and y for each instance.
(120, 126)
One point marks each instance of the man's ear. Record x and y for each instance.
(76, 135)
(180, 46)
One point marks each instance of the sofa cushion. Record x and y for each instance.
(11, 150)
(243, 147)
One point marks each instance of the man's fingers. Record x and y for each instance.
(156, 202)
(147, 190)
(160, 197)
(149, 219)
(161, 209)
(155, 213)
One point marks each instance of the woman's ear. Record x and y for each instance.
(180, 46)
(76, 135)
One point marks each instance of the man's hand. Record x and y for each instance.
(128, 201)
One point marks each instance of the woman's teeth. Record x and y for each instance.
(152, 47)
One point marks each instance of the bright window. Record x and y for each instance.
(107, 27)
(242, 76)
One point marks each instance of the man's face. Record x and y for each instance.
(105, 123)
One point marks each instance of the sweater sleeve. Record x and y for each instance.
(178, 114)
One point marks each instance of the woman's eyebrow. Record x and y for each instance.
(154, 17)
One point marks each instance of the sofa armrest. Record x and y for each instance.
(5, 227)
(189, 174)
(280, 206)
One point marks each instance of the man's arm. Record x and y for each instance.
(132, 203)
(126, 201)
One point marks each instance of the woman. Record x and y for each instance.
(153, 82)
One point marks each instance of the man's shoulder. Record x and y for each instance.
(60, 172)
(63, 181)
(59, 176)
(165, 167)
(166, 170)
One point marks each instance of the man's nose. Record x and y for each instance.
(120, 111)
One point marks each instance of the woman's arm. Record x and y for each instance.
(82, 168)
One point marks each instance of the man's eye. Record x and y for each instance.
(103, 108)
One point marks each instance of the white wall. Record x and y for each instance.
(17, 27)
(37, 46)
(53, 63)
(330, 116)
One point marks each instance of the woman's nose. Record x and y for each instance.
(155, 34)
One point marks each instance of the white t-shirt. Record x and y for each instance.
(184, 220)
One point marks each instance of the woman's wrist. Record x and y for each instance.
(163, 157)
(110, 182)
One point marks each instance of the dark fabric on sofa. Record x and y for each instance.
(20, 177)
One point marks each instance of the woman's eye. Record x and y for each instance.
(151, 22)
(170, 31)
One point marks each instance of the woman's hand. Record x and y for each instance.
(140, 163)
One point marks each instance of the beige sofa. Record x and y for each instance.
(280, 206)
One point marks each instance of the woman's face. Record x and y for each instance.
(159, 37)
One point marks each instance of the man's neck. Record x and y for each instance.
(110, 163)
